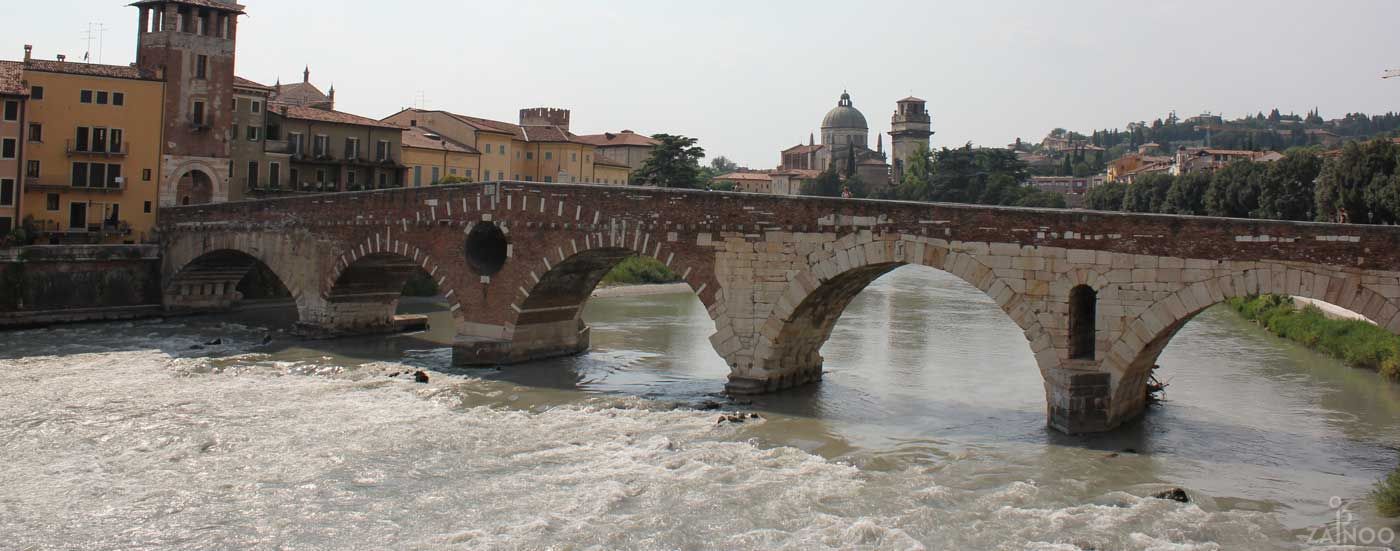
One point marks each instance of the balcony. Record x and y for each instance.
(49, 231)
(282, 147)
(88, 150)
(34, 184)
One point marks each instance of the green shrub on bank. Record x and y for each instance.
(1358, 343)
(640, 269)
(1387, 495)
(420, 285)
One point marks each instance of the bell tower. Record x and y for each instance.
(910, 127)
(190, 44)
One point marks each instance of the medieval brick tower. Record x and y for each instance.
(190, 44)
(910, 128)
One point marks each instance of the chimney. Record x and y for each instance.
(62, 57)
(306, 75)
(28, 51)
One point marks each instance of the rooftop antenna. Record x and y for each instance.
(420, 100)
(98, 31)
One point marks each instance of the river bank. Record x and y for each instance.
(1357, 342)
(641, 290)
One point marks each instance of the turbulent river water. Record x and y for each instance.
(927, 432)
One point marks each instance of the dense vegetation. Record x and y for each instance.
(969, 175)
(674, 163)
(1358, 343)
(1361, 185)
(420, 285)
(1274, 131)
(1387, 495)
(640, 269)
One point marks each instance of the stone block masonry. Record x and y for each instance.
(775, 273)
(70, 283)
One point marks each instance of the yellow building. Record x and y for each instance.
(610, 172)
(539, 149)
(92, 151)
(432, 158)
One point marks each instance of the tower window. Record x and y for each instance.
(201, 67)
(197, 117)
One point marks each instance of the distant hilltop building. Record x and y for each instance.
(845, 143)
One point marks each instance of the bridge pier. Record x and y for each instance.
(529, 343)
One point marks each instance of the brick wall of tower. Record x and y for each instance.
(175, 55)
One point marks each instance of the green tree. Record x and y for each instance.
(1353, 187)
(723, 165)
(1187, 194)
(917, 171)
(1108, 196)
(1042, 199)
(1148, 193)
(674, 163)
(1288, 187)
(826, 184)
(1234, 190)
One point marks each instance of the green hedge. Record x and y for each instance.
(639, 269)
(1356, 342)
(1387, 495)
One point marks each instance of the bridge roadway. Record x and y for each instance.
(1097, 294)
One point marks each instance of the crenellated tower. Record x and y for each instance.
(190, 44)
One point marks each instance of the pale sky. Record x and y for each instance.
(752, 78)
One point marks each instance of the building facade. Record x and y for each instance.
(190, 44)
(330, 151)
(432, 158)
(13, 96)
(910, 130)
(538, 149)
(627, 148)
(91, 151)
(251, 158)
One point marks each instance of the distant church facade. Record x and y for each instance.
(845, 143)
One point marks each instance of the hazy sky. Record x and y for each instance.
(751, 78)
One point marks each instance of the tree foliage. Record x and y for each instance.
(968, 175)
(674, 163)
(1108, 196)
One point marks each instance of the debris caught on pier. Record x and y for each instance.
(1156, 389)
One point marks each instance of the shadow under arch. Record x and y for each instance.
(1133, 355)
(221, 278)
(364, 296)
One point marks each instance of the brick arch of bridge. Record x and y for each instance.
(789, 342)
(1132, 356)
(194, 283)
(362, 288)
(547, 311)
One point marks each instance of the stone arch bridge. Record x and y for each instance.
(1098, 295)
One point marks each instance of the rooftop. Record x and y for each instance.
(88, 69)
(746, 176)
(423, 138)
(604, 161)
(624, 138)
(245, 83)
(297, 112)
(227, 5)
(803, 149)
(12, 78)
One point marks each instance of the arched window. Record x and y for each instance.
(1083, 302)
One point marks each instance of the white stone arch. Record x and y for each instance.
(188, 248)
(1146, 335)
(834, 277)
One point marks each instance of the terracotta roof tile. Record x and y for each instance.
(301, 93)
(240, 81)
(424, 138)
(297, 112)
(89, 69)
(749, 176)
(803, 149)
(624, 138)
(12, 78)
(798, 172)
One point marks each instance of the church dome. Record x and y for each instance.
(845, 115)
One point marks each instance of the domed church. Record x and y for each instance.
(845, 142)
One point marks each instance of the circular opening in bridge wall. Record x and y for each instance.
(486, 248)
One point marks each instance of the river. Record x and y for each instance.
(928, 432)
